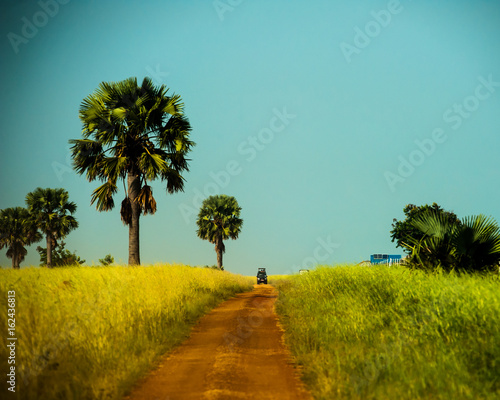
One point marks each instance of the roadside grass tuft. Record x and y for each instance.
(91, 332)
(392, 333)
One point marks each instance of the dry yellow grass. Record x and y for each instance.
(90, 332)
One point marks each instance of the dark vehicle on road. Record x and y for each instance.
(261, 276)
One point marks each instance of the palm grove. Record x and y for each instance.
(49, 214)
(131, 133)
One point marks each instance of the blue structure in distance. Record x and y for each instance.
(385, 258)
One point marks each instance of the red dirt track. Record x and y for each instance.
(234, 352)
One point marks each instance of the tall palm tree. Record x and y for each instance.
(17, 230)
(218, 220)
(52, 212)
(133, 133)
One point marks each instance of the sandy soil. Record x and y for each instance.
(234, 352)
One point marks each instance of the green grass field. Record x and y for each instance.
(390, 333)
(91, 332)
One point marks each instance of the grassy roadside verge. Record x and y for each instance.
(90, 333)
(388, 333)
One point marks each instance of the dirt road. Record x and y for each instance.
(235, 352)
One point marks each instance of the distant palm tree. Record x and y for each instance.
(17, 230)
(218, 220)
(137, 133)
(472, 244)
(52, 212)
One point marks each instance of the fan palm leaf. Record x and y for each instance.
(434, 249)
(477, 243)
(103, 196)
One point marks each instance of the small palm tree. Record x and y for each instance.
(17, 230)
(432, 247)
(136, 134)
(472, 244)
(52, 212)
(218, 220)
(477, 244)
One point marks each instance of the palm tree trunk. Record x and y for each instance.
(219, 249)
(49, 250)
(219, 258)
(134, 187)
(15, 264)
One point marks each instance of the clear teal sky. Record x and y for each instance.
(323, 118)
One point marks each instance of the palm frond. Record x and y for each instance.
(103, 195)
(87, 157)
(114, 167)
(151, 165)
(174, 136)
(174, 105)
(175, 182)
(146, 200)
(119, 114)
(477, 243)
(126, 211)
